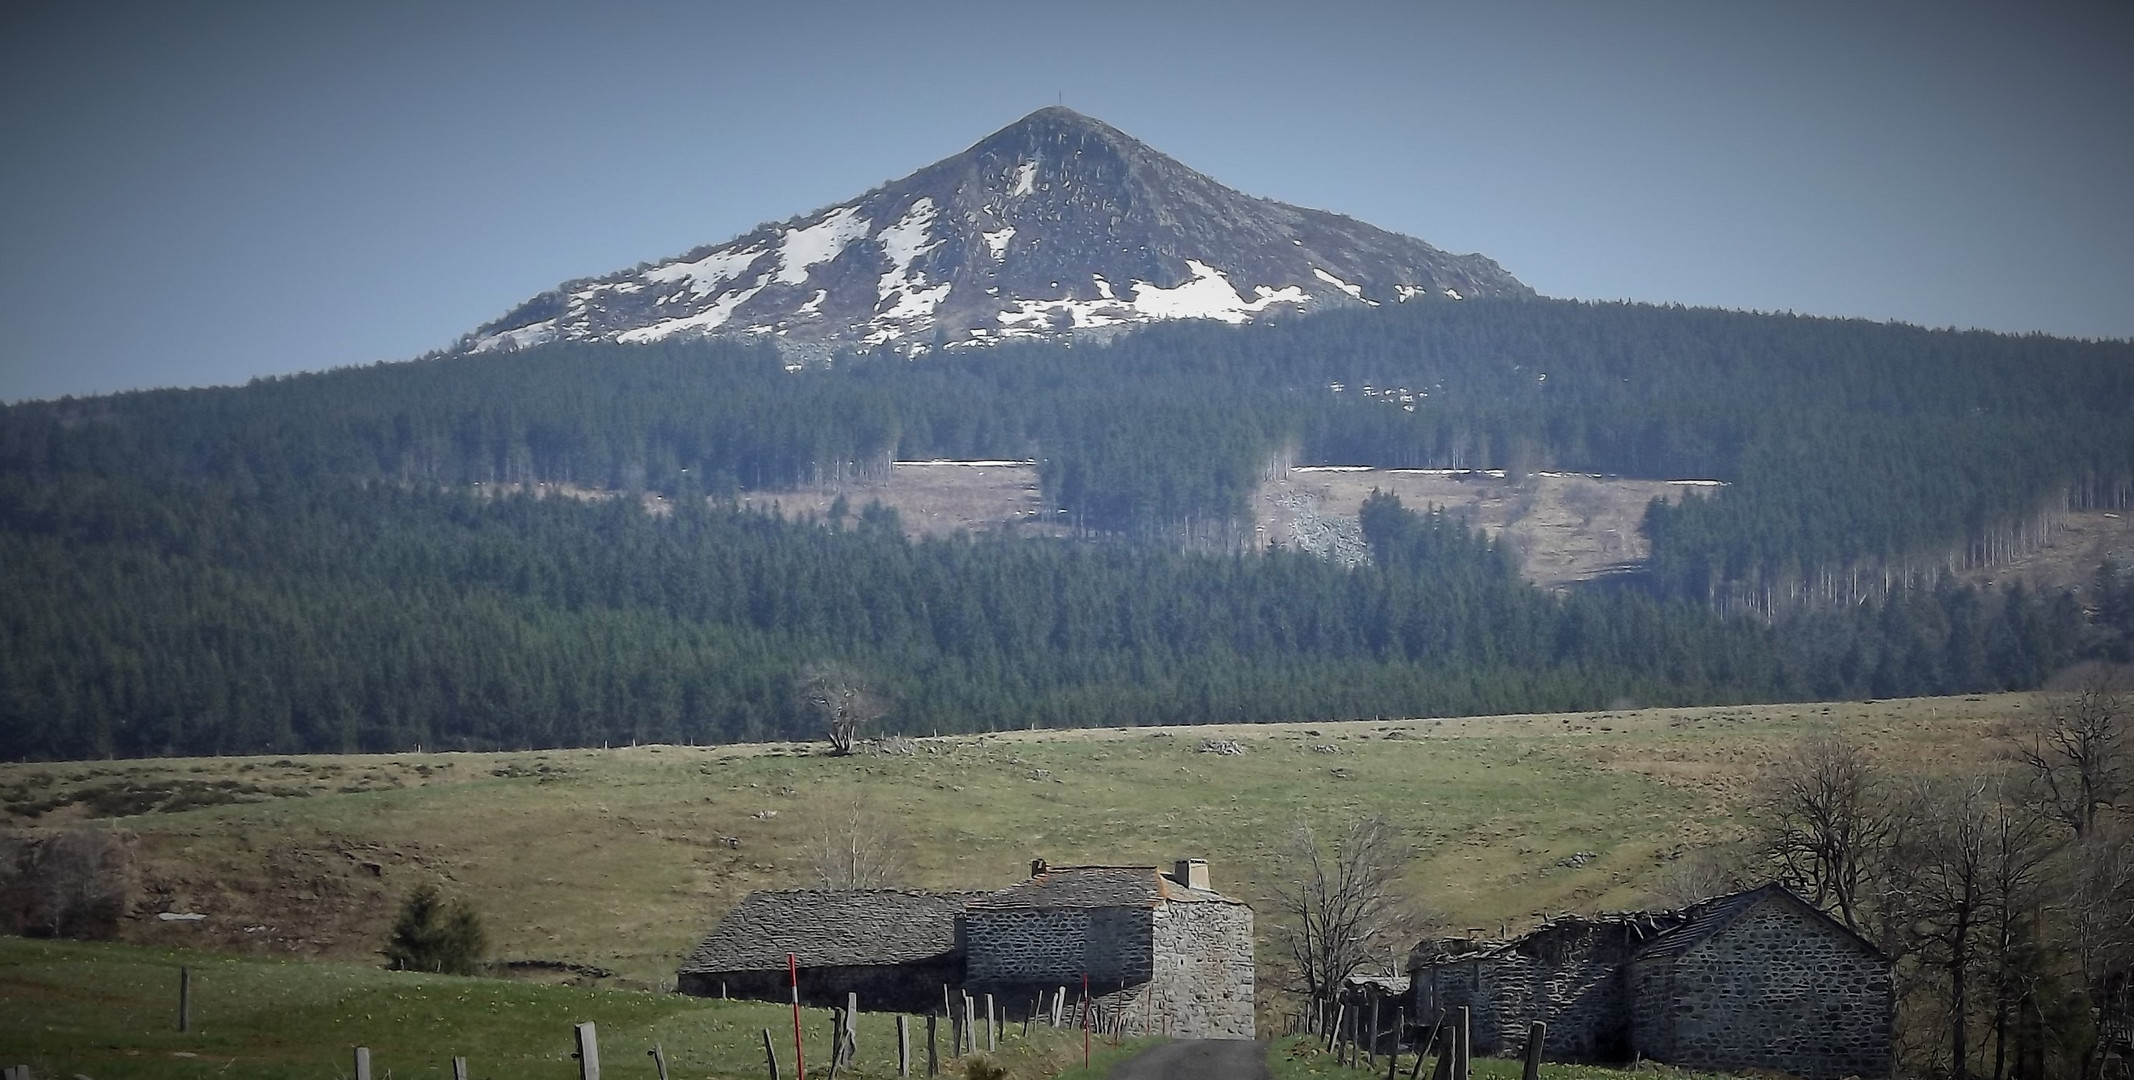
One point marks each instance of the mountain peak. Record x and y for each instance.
(1057, 224)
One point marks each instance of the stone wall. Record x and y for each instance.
(1780, 988)
(1569, 977)
(1204, 970)
(1022, 947)
(1182, 968)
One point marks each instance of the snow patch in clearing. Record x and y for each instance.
(818, 243)
(1455, 294)
(1405, 293)
(814, 304)
(1025, 179)
(1698, 483)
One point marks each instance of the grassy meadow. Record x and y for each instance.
(604, 867)
(110, 1011)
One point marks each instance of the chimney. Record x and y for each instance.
(1191, 873)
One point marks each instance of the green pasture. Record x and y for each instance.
(621, 859)
(110, 1012)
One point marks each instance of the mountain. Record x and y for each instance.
(1054, 225)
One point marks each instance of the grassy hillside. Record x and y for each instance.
(621, 859)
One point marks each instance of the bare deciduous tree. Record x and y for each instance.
(1827, 824)
(1699, 875)
(2078, 754)
(1341, 907)
(842, 697)
(79, 881)
(858, 847)
(1943, 881)
(2100, 920)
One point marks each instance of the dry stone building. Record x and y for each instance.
(1758, 979)
(1163, 951)
(1763, 980)
(895, 948)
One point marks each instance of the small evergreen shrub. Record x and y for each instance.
(435, 935)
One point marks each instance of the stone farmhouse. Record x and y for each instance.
(1162, 950)
(1759, 979)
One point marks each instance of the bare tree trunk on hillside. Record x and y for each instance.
(859, 848)
(2080, 757)
(843, 698)
(81, 882)
(1968, 872)
(2099, 909)
(1827, 824)
(1340, 907)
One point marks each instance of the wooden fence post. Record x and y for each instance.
(848, 1039)
(1537, 1034)
(1332, 1037)
(837, 1040)
(1429, 1043)
(770, 1055)
(185, 999)
(933, 1048)
(1400, 1028)
(362, 1063)
(992, 1034)
(1370, 1048)
(459, 1068)
(970, 1021)
(588, 1054)
(903, 1046)
(659, 1059)
(1464, 1067)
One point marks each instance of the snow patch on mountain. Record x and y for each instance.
(704, 321)
(705, 274)
(806, 248)
(997, 240)
(1054, 225)
(1209, 295)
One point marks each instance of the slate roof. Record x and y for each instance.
(1081, 887)
(833, 929)
(1709, 917)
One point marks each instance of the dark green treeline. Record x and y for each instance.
(1847, 444)
(204, 618)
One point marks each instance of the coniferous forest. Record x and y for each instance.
(349, 560)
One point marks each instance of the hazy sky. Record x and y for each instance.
(195, 193)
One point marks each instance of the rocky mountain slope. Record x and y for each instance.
(1054, 225)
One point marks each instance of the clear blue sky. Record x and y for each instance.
(196, 193)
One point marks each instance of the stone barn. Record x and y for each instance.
(895, 948)
(1568, 973)
(1763, 980)
(1755, 979)
(1161, 950)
